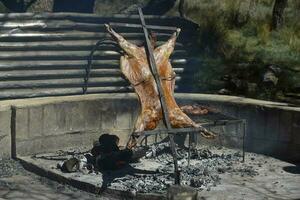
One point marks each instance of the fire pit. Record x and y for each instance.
(213, 171)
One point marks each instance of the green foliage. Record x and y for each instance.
(41, 6)
(229, 29)
(212, 35)
(263, 33)
(207, 79)
(238, 31)
(3, 9)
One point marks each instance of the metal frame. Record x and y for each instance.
(191, 131)
(168, 128)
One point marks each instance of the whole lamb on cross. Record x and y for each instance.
(134, 65)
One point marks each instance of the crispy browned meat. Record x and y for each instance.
(194, 110)
(134, 66)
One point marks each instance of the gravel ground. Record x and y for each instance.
(16, 183)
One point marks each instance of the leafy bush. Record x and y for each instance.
(3, 9)
(238, 31)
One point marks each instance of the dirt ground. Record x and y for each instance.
(18, 184)
(275, 180)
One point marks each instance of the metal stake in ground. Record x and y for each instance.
(153, 69)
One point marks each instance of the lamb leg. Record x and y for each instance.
(178, 119)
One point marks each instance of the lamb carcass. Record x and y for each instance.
(134, 65)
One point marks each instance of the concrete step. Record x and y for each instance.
(76, 45)
(55, 74)
(69, 55)
(72, 35)
(42, 92)
(178, 64)
(56, 64)
(66, 25)
(79, 17)
(104, 71)
(92, 18)
(45, 92)
(64, 83)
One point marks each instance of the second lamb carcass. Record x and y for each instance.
(135, 67)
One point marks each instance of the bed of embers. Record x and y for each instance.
(202, 172)
(153, 173)
(213, 172)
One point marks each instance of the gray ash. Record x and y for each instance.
(206, 167)
(9, 167)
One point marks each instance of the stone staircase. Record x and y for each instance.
(46, 54)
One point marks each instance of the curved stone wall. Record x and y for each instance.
(30, 126)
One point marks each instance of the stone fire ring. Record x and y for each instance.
(43, 125)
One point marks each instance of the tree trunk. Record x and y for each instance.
(252, 8)
(14, 5)
(181, 8)
(17, 5)
(278, 9)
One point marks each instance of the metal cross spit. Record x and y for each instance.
(151, 60)
(162, 99)
(169, 130)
